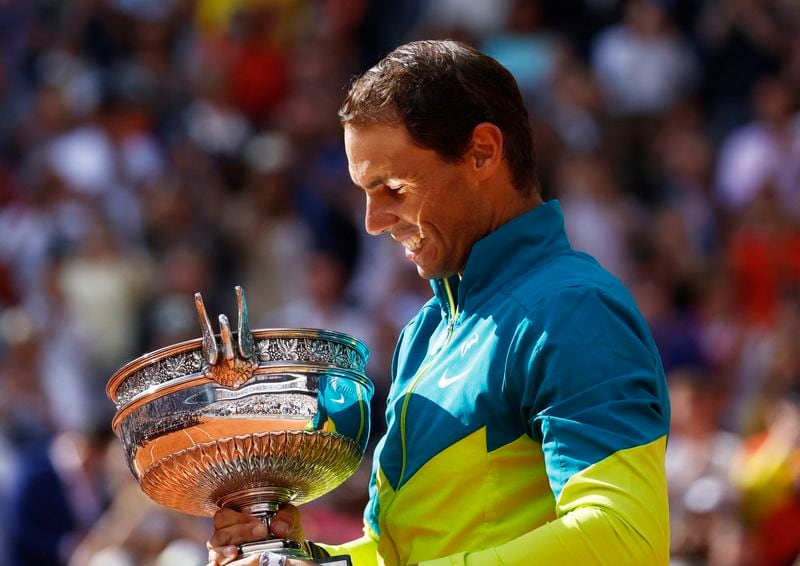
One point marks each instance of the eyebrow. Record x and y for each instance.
(381, 181)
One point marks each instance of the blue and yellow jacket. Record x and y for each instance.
(527, 418)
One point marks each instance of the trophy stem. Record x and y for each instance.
(264, 502)
(257, 500)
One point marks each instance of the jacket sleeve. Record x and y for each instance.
(612, 514)
(362, 551)
(589, 383)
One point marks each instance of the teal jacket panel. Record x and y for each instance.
(534, 339)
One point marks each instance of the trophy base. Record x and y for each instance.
(290, 549)
(283, 547)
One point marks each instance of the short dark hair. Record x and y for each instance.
(441, 90)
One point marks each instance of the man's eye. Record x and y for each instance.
(399, 189)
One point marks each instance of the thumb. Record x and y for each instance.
(286, 523)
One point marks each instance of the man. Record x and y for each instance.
(528, 414)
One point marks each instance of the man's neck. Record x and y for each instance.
(514, 205)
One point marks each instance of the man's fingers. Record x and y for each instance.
(220, 556)
(227, 517)
(238, 534)
(286, 523)
(232, 527)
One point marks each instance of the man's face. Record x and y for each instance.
(431, 207)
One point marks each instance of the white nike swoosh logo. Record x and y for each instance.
(340, 400)
(445, 381)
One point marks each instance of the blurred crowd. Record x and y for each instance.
(150, 149)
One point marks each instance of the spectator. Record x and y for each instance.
(166, 147)
(763, 155)
(643, 64)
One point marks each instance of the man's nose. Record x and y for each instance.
(379, 216)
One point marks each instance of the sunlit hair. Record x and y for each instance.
(441, 90)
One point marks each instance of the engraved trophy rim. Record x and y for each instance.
(174, 385)
(121, 375)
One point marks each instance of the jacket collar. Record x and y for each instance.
(503, 255)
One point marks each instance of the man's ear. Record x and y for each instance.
(486, 151)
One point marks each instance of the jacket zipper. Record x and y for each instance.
(453, 312)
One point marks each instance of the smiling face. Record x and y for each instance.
(436, 209)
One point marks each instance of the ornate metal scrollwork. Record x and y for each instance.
(235, 365)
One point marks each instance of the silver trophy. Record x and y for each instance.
(244, 419)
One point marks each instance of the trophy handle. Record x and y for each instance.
(247, 344)
(237, 364)
(210, 350)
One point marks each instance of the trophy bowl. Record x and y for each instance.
(244, 419)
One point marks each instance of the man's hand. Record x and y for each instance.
(232, 528)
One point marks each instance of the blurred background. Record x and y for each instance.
(153, 148)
